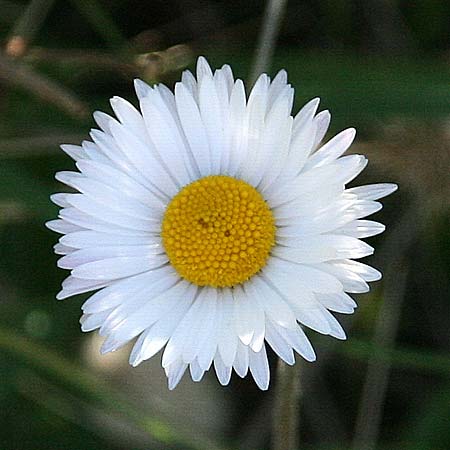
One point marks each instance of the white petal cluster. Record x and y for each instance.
(135, 164)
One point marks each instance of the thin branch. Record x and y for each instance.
(102, 22)
(97, 391)
(28, 26)
(267, 40)
(287, 407)
(19, 75)
(84, 58)
(374, 392)
(35, 145)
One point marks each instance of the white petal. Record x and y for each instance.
(210, 337)
(85, 221)
(238, 128)
(193, 128)
(227, 339)
(259, 367)
(142, 156)
(240, 363)
(373, 191)
(315, 280)
(196, 371)
(119, 267)
(273, 145)
(340, 303)
(299, 342)
(61, 226)
(154, 339)
(125, 213)
(116, 156)
(155, 307)
(73, 286)
(334, 148)
(254, 120)
(174, 373)
(188, 331)
(165, 134)
(322, 121)
(336, 329)
(317, 249)
(78, 257)
(142, 89)
(341, 171)
(122, 182)
(361, 228)
(120, 291)
(60, 200)
(74, 151)
(103, 120)
(86, 210)
(351, 281)
(61, 249)
(275, 308)
(210, 111)
(89, 238)
(244, 315)
(201, 322)
(139, 299)
(129, 116)
(203, 69)
(278, 344)
(90, 322)
(306, 114)
(223, 372)
(364, 271)
(189, 82)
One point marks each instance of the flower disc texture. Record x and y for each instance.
(210, 225)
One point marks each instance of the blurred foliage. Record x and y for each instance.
(366, 75)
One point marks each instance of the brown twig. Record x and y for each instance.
(84, 58)
(267, 40)
(377, 377)
(16, 74)
(36, 145)
(27, 26)
(286, 408)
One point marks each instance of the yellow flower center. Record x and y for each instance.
(218, 231)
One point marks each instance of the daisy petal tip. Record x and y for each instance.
(351, 133)
(325, 118)
(315, 102)
(378, 277)
(49, 223)
(134, 361)
(108, 346)
(141, 87)
(60, 295)
(203, 68)
(246, 339)
(114, 100)
(341, 336)
(391, 188)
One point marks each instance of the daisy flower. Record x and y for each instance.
(210, 225)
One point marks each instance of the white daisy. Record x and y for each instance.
(210, 225)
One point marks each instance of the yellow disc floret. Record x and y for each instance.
(218, 231)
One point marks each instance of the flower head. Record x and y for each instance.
(211, 224)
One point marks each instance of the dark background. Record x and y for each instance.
(379, 65)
